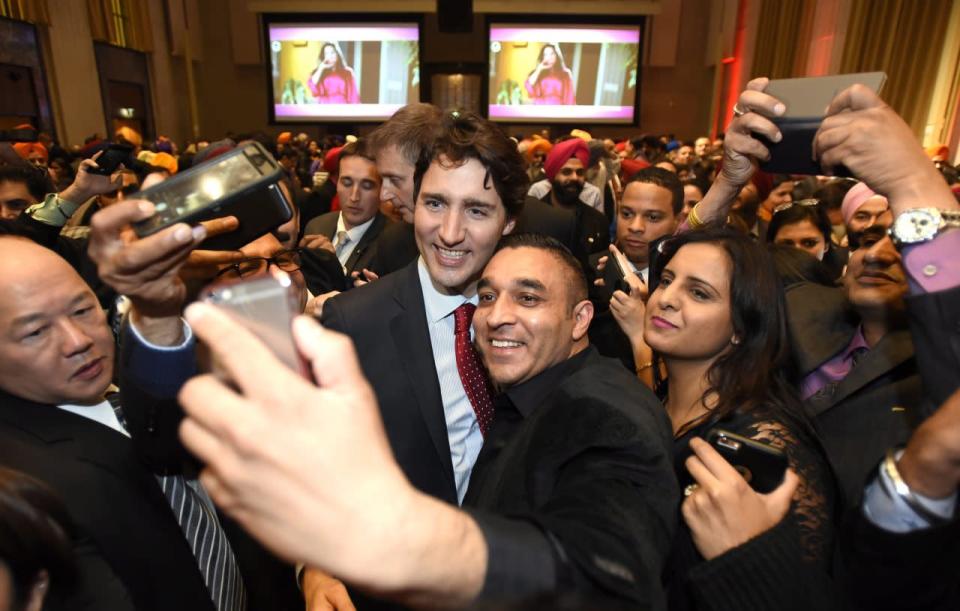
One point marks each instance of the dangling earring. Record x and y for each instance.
(734, 340)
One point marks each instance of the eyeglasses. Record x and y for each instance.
(800, 202)
(285, 260)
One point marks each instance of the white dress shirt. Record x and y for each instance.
(463, 430)
(355, 234)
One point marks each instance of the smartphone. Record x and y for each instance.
(762, 465)
(112, 157)
(266, 305)
(806, 100)
(617, 276)
(243, 183)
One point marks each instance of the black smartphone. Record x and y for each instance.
(762, 465)
(266, 305)
(243, 183)
(806, 100)
(617, 275)
(112, 157)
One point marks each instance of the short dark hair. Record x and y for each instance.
(358, 148)
(413, 129)
(37, 181)
(466, 135)
(35, 535)
(577, 288)
(797, 213)
(661, 178)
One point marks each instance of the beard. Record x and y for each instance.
(567, 193)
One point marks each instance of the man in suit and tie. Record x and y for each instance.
(57, 424)
(352, 231)
(411, 327)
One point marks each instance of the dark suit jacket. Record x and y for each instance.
(396, 248)
(605, 333)
(872, 408)
(115, 502)
(916, 570)
(387, 322)
(365, 250)
(574, 488)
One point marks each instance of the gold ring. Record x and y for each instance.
(690, 489)
(739, 112)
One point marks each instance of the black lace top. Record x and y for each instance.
(803, 540)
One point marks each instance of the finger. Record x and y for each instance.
(747, 146)
(331, 354)
(780, 499)
(599, 282)
(223, 224)
(201, 258)
(337, 594)
(700, 473)
(855, 97)
(244, 358)
(110, 221)
(370, 275)
(829, 147)
(161, 248)
(751, 123)
(751, 101)
(637, 288)
(203, 442)
(758, 84)
(218, 490)
(713, 461)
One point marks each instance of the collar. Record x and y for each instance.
(528, 396)
(858, 342)
(439, 305)
(356, 232)
(101, 413)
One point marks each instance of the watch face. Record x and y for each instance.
(917, 225)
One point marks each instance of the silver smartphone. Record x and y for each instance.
(265, 305)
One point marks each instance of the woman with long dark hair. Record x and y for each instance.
(551, 82)
(804, 224)
(333, 82)
(716, 320)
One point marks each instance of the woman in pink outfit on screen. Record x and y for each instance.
(551, 82)
(333, 82)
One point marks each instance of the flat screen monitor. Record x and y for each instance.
(563, 73)
(342, 71)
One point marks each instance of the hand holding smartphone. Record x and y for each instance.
(762, 465)
(806, 100)
(266, 306)
(111, 159)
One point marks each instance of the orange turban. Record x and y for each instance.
(26, 149)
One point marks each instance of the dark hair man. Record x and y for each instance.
(571, 428)
(20, 188)
(352, 231)
(648, 211)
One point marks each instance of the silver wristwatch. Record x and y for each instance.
(922, 224)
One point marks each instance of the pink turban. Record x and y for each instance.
(563, 152)
(856, 197)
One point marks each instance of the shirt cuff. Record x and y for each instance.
(891, 513)
(933, 266)
(186, 343)
(53, 210)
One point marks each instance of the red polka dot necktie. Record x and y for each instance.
(472, 374)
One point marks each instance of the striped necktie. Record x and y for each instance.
(197, 519)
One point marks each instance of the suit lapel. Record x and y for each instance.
(411, 336)
(365, 242)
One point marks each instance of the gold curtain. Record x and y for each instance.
(34, 11)
(903, 38)
(783, 38)
(120, 22)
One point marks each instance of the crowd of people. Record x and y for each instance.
(533, 366)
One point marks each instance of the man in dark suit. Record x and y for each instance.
(854, 354)
(55, 424)
(352, 232)
(649, 211)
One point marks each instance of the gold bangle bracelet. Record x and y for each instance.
(643, 366)
(693, 219)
